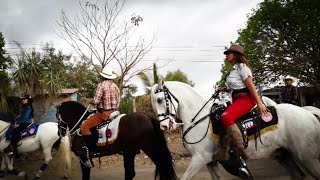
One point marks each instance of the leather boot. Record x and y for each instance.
(90, 142)
(237, 141)
(223, 154)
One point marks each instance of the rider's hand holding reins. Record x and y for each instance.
(249, 83)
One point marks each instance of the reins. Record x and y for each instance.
(214, 96)
(73, 131)
(167, 97)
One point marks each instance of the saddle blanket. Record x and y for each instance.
(109, 133)
(30, 132)
(250, 125)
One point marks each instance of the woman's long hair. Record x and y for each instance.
(240, 58)
(30, 101)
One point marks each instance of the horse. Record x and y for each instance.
(314, 110)
(178, 104)
(45, 138)
(136, 132)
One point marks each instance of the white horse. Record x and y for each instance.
(297, 132)
(314, 110)
(46, 137)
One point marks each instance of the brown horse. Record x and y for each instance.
(136, 132)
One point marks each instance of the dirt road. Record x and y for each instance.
(262, 170)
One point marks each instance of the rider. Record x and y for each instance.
(107, 99)
(22, 121)
(244, 96)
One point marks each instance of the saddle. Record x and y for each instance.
(106, 132)
(28, 132)
(251, 125)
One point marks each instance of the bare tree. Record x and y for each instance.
(99, 35)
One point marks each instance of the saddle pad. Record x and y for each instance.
(247, 122)
(109, 133)
(253, 126)
(30, 132)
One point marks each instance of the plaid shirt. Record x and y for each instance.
(107, 95)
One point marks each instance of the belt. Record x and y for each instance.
(106, 110)
(237, 95)
(112, 109)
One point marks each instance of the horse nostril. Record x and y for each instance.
(163, 127)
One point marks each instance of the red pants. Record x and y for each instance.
(93, 121)
(240, 106)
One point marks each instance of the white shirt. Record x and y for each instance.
(237, 76)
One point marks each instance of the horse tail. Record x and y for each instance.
(64, 152)
(164, 163)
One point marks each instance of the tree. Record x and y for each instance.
(4, 59)
(39, 72)
(282, 37)
(178, 75)
(148, 81)
(98, 34)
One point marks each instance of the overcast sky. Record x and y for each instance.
(191, 32)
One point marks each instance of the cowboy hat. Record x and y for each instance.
(289, 77)
(26, 97)
(235, 48)
(108, 73)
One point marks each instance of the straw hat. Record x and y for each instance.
(289, 77)
(235, 48)
(108, 73)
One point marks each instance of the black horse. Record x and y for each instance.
(136, 131)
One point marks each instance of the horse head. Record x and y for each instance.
(164, 103)
(170, 106)
(70, 115)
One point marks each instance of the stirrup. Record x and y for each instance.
(9, 150)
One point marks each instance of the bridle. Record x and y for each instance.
(63, 126)
(168, 96)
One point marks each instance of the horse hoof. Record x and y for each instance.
(88, 164)
(22, 174)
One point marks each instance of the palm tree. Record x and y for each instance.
(150, 81)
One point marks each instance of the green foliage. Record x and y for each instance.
(178, 75)
(4, 90)
(81, 75)
(282, 38)
(143, 105)
(226, 67)
(39, 72)
(126, 105)
(4, 59)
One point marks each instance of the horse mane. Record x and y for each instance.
(177, 85)
(71, 109)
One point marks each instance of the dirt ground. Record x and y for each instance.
(111, 167)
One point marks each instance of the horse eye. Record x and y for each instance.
(159, 100)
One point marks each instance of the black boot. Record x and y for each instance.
(90, 142)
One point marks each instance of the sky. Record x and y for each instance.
(193, 33)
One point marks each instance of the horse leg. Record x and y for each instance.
(213, 169)
(47, 159)
(3, 166)
(313, 167)
(9, 163)
(128, 160)
(285, 159)
(195, 165)
(85, 172)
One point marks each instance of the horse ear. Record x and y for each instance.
(161, 83)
